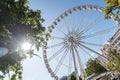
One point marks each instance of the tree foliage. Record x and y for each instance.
(73, 77)
(94, 67)
(13, 72)
(114, 60)
(113, 6)
(18, 23)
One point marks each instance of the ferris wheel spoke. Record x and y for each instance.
(61, 61)
(90, 26)
(90, 55)
(66, 25)
(55, 45)
(93, 44)
(74, 22)
(98, 33)
(92, 50)
(58, 37)
(80, 64)
(84, 19)
(61, 31)
(57, 53)
(86, 52)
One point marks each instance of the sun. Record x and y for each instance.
(26, 46)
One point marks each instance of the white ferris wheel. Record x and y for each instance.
(77, 35)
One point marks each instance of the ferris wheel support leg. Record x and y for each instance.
(80, 65)
(76, 71)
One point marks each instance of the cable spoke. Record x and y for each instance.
(91, 56)
(93, 44)
(58, 37)
(91, 25)
(80, 64)
(57, 53)
(98, 33)
(86, 52)
(61, 31)
(61, 61)
(66, 24)
(93, 51)
(55, 45)
(84, 20)
(74, 22)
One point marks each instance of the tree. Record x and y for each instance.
(94, 67)
(114, 60)
(113, 6)
(72, 76)
(18, 23)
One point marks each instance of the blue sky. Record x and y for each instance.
(34, 69)
(53, 8)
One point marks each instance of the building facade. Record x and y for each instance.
(113, 43)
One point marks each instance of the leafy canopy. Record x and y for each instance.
(18, 23)
(113, 6)
(114, 60)
(94, 67)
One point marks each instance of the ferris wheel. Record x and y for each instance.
(76, 36)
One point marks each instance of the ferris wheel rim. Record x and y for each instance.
(79, 8)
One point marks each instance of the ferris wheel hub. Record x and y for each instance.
(72, 38)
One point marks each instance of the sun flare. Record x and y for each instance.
(26, 46)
